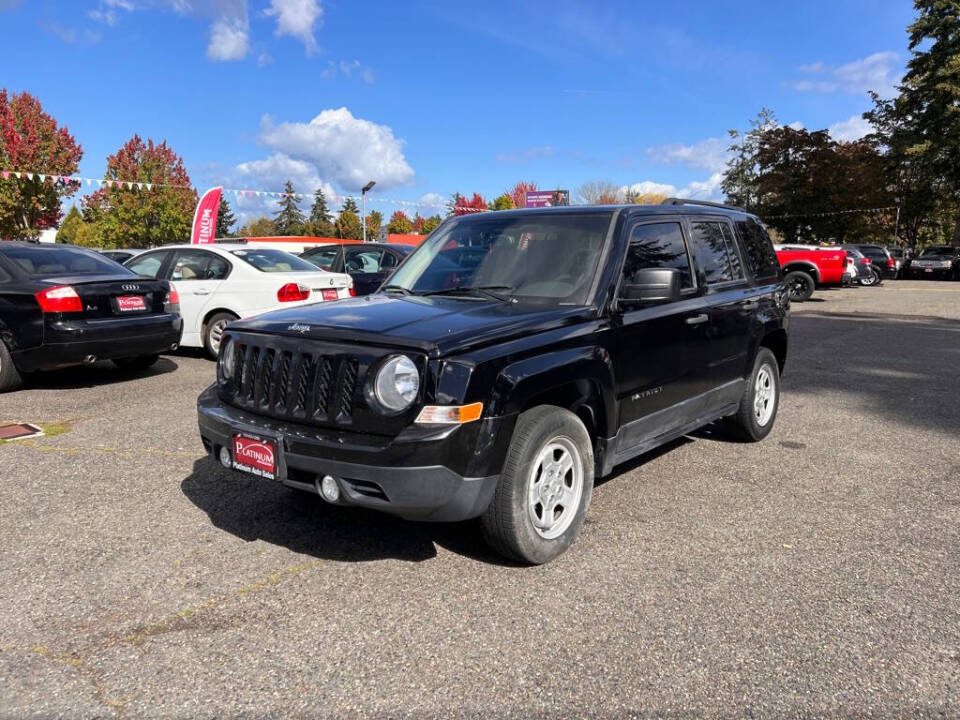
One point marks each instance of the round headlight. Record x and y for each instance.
(227, 355)
(397, 383)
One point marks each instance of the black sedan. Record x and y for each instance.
(369, 264)
(62, 306)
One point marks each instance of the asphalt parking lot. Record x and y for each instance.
(816, 573)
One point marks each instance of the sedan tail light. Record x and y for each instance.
(171, 302)
(353, 293)
(865, 261)
(293, 292)
(891, 263)
(61, 298)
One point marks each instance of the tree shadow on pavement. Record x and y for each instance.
(256, 509)
(100, 373)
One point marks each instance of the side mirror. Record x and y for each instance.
(651, 286)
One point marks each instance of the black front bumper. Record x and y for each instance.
(70, 342)
(401, 477)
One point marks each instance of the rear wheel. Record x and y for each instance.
(754, 418)
(9, 375)
(872, 278)
(141, 362)
(544, 491)
(213, 332)
(800, 285)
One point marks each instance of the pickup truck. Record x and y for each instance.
(512, 358)
(807, 267)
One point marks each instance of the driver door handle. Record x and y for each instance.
(697, 319)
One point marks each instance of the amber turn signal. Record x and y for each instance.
(449, 414)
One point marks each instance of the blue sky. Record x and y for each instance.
(435, 97)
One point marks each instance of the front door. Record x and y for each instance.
(364, 266)
(662, 351)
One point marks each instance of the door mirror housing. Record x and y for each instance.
(651, 286)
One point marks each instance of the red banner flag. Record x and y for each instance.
(205, 218)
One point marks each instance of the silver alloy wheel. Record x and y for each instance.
(555, 487)
(216, 335)
(764, 395)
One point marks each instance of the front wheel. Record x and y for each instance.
(541, 501)
(800, 285)
(760, 401)
(9, 375)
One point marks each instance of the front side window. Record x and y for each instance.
(274, 260)
(539, 255)
(365, 261)
(323, 259)
(710, 252)
(147, 265)
(658, 245)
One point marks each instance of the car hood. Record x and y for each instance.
(438, 325)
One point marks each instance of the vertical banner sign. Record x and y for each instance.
(205, 218)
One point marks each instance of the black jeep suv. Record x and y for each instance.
(511, 359)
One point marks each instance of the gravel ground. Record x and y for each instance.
(814, 574)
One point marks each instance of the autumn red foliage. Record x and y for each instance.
(32, 141)
(471, 206)
(518, 193)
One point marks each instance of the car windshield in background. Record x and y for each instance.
(938, 250)
(274, 261)
(549, 256)
(51, 262)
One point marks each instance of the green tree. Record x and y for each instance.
(31, 141)
(430, 224)
(374, 223)
(70, 226)
(158, 212)
(740, 178)
(320, 223)
(289, 220)
(225, 219)
(348, 225)
(350, 205)
(502, 202)
(258, 227)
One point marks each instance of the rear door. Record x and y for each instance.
(732, 305)
(197, 275)
(661, 350)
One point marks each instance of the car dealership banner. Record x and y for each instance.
(547, 198)
(205, 218)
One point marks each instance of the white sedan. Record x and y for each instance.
(222, 282)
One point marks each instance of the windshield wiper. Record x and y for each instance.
(397, 288)
(485, 290)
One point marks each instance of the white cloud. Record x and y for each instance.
(708, 189)
(343, 149)
(796, 125)
(879, 72)
(264, 59)
(528, 155)
(348, 70)
(432, 203)
(854, 128)
(710, 154)
(229, 39)
(270, 174)
(297, 18)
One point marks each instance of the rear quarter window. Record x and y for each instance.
(758, 250)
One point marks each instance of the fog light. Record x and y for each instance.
(225, 458)
(329, 489)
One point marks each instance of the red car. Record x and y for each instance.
(806, 267)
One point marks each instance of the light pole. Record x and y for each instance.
(363, 201)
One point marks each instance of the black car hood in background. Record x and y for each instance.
(433, 324)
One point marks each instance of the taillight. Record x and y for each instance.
(293, 292)
(61, 298)
(330, 295)
(891, 263)
(173, 297)
(353, 293)
(864, 261)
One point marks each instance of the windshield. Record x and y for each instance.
(49, 262)
(538, 255)
(274, 260)
(939, 250)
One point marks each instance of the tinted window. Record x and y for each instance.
(710, 252)
(147, 265)
(873, 252)
(274, 261)
(732, 253)
(218, 268)
(47, 262)
(4, 276)
(322, 258)
(389, 260)
(659, 245)
(758, 250)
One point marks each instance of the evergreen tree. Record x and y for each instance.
(225, 219)
(741, 176)
(350, 205)
(289, 220)
(320, 223)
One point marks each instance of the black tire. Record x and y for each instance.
(800, 285)
(873, 279)
(745, 424)
(9, 375)
(508, 524)
(141, 362)
(214, 326)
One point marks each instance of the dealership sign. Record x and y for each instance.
(205, 218)
(547, 198)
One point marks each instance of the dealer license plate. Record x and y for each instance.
(255, 456)
(131, 303)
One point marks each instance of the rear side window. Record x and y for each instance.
(758, 250)
(658, 245)
(735, 266)
(710, 252)
(50, 262)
